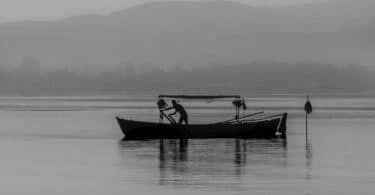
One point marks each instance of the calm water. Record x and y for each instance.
(71, 145)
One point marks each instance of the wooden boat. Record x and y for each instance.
(257, 125)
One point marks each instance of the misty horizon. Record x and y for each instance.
(257, 77)
(41, 10)
(187, 97)
(189, 36)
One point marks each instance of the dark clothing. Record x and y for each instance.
(180, 109)
(183, 119)
(182, 112)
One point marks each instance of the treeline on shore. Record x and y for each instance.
(254, 77)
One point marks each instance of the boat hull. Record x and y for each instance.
(263, 128)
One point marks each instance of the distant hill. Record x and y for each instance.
(197, 33)
(247, 79)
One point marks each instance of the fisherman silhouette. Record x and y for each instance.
(180, 110)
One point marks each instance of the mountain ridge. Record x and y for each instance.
(188, 33)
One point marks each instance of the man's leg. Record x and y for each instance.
(186, 120)
(180, 120)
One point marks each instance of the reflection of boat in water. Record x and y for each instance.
(197, 162)
(212, 163)
(257, 125)
(173, 154)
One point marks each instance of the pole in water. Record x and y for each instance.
(306, 127)
(308, 110)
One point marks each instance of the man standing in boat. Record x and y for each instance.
(180, 110)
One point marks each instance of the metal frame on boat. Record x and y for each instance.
(256, 125)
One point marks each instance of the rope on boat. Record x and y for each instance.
(264, 117)
(278, 133)
(247, 116)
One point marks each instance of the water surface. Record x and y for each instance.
(72, 145)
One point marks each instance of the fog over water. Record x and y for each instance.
(320, 46)
(69, 68)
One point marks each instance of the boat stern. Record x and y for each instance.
(283, 125)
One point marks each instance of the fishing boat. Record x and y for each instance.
(255, 125)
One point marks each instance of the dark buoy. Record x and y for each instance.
(308, 106)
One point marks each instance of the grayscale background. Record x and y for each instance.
(68, 68)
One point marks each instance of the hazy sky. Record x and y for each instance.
(18, 10)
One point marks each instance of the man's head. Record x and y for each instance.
(174, 102)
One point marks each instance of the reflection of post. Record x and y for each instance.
(161, 153)
(308, 159)
(237, 153)
(183, 155)
(172, 153)
(239, 156)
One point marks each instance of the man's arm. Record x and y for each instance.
(175, 112)
(168, 108)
